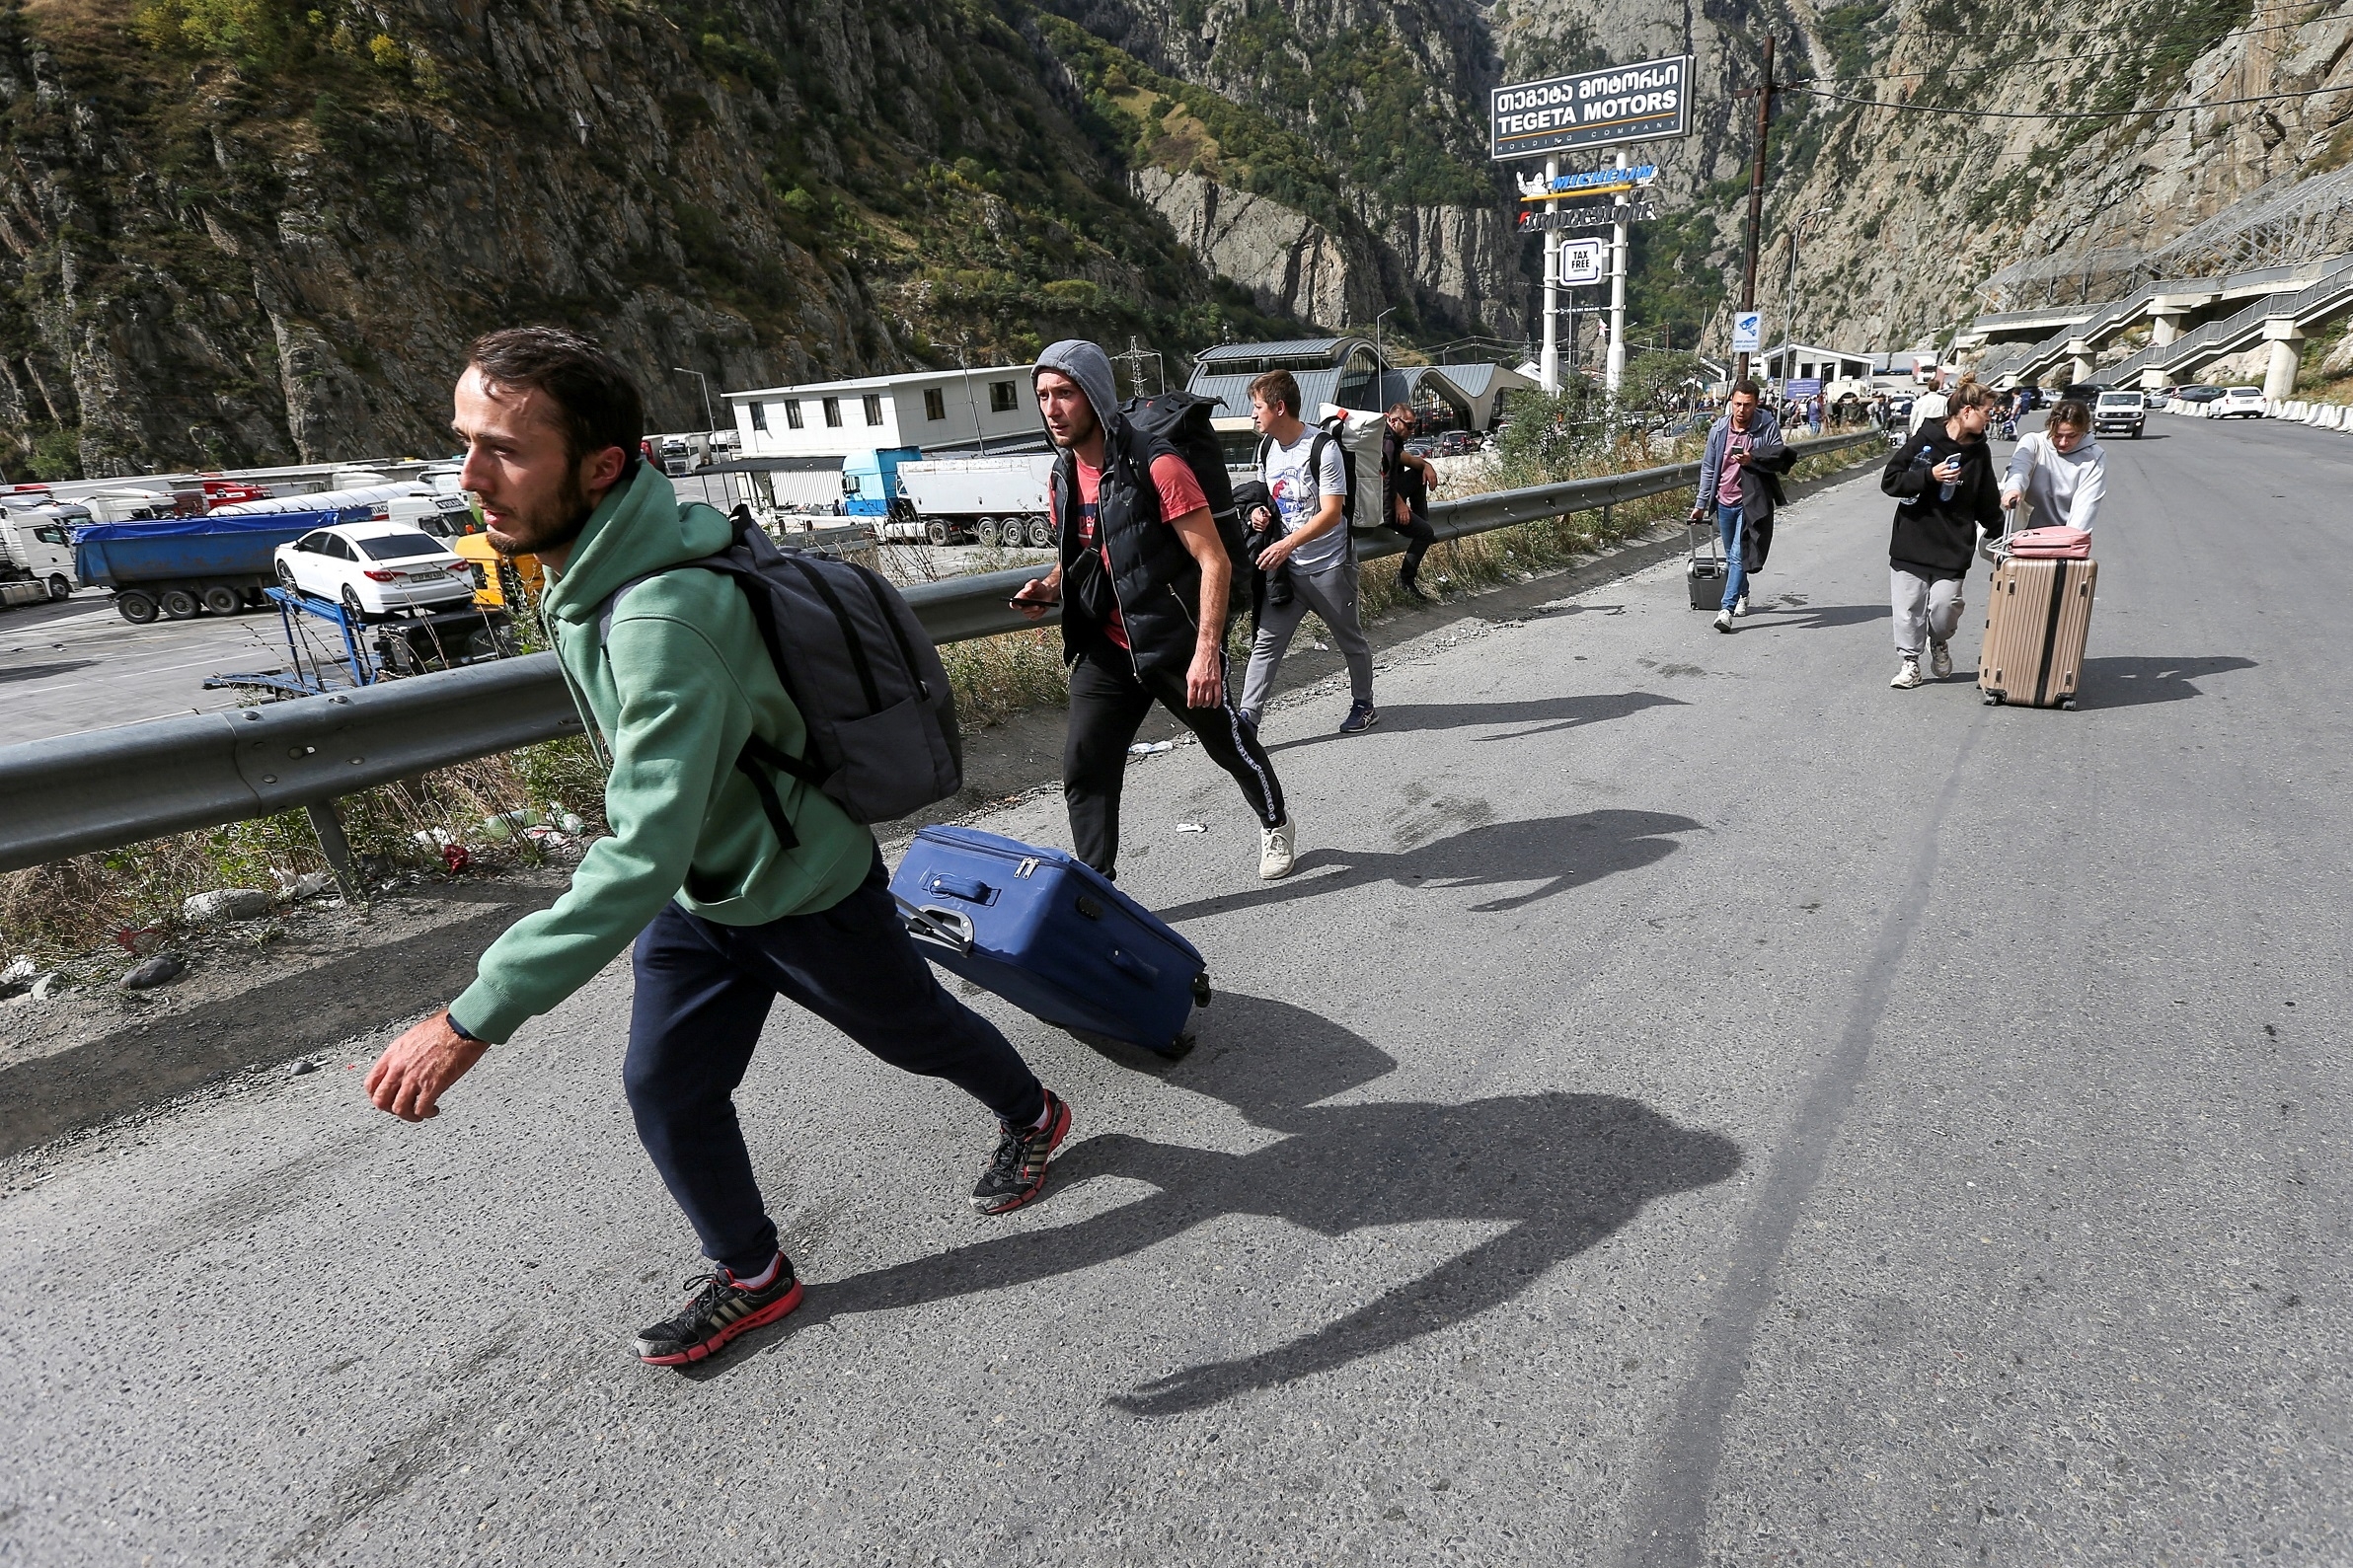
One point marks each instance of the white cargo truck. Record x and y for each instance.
(36, 559)
(997, 500)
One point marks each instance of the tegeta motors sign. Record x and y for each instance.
(1591, 109)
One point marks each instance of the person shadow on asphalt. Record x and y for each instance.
(1555, 854)
(1559, 1171)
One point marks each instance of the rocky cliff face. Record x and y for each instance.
(1908, 209)
(1292, 265)
(1385, 103)
(238, 231)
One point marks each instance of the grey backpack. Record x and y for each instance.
(881, 723)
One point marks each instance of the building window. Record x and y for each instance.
(833, 413)
(1001, 396)
(759, 417)
(792, 415)
(873, 408)
(934, 404)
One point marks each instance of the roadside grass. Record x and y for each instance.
(132, 896)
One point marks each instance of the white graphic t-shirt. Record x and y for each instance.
(1298, 495)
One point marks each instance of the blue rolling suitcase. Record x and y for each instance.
(1050, 934)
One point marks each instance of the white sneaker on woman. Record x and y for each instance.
(1940, 660)
(1907, 677)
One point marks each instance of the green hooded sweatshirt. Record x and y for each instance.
(674, 688)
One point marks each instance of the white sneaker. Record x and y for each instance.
(1274, 855)
(1723, 620)
(1740, 605)
(1907, 677)
(1940, 660)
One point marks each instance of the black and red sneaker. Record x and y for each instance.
(719, 1311)
(1016, 1173)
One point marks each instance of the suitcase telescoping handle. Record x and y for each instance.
(938, 926)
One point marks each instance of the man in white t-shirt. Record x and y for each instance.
(1306, 474)
(1929, 404)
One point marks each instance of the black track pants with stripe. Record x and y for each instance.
(1107, 704)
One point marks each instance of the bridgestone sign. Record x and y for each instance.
(1592, 109)
(1593, 215)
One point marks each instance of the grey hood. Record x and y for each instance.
(1090, 368)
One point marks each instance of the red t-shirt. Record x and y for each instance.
(1179, 495)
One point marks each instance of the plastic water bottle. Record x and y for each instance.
(1944, 490)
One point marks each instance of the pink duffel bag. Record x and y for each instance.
(2052, 543)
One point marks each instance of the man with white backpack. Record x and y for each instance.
(733, 867)
(1306, 533)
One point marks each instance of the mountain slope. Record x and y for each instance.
(243, 230)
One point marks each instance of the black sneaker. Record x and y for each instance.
(1016, 1173)
(1414, 591)
(716, 1313)
(1362, 716)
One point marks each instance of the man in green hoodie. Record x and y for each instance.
(725, 915)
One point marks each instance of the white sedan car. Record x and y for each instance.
(2239, 403)
(374, 570)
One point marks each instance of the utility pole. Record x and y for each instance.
(1614, 368)
(970, 406)
(1548, 365)
(710, 418)
(1134, 358)
(1756, 201)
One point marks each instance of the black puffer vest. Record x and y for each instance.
(1155, 582)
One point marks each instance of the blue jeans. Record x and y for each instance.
(703, 993)
(1727, 528)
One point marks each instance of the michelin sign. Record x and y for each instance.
(1619, 104)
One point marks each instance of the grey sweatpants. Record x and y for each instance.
(1331, 594)
(1923, 607)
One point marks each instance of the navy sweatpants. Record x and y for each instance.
(703, 993)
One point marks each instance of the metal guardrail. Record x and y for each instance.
(78, 795)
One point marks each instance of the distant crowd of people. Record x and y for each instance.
(1953, 502)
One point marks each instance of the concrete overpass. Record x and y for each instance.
(2168, 306)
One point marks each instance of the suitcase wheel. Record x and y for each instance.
(1992, 699)
(2068, 702)
(1202, 993)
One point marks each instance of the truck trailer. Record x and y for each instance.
(997, 500)
(178, 566)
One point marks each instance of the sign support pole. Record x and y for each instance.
(1614, 375)
(1756, 202)
(1548, 368)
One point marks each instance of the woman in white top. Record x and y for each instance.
(2060, 470)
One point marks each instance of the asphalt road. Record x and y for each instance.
(1700, 1106)
(77, 665)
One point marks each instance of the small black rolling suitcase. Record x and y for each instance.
(1705, 574)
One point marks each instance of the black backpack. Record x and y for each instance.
(1180, 420)
(872, 693)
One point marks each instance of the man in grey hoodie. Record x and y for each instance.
(1144, 580)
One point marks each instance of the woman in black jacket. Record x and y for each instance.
(1946, 490)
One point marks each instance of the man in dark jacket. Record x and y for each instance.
(1740, 487)
(1946, 490)
(1144, 580)
(1405, 487)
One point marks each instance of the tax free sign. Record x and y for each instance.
(1592, 109)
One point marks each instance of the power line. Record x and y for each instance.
(2096, 114)
(2048, 59)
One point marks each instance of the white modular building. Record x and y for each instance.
(847, 438)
